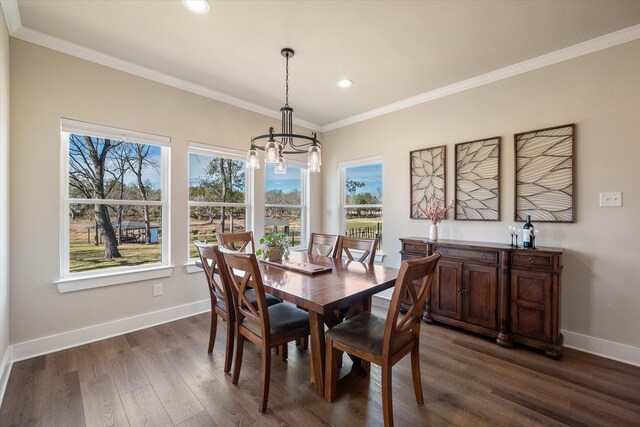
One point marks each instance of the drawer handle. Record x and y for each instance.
(530, 260)
(446, 252)
(483, 256)
(413, 248)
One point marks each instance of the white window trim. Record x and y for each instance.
(342, 177)
(304, 197)
(68, 281)
(227, 153)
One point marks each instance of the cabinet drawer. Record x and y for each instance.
(490, 257)
(419, 248)
(527, 260)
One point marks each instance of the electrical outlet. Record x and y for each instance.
(611, 199)
(157, 290)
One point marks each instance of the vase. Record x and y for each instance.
(276, 254)
(433, 232)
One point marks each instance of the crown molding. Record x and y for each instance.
(14, 25)
(599, 43)
(12, 16)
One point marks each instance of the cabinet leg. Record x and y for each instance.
(553, 354)
(503, 340)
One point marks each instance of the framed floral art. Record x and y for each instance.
(428, 178)
(544, 173)
(477, 180)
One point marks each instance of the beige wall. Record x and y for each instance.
(599, 92)
(4, 187)
(47, 85)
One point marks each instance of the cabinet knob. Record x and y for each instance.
(445, 253)
(459, 291)
(530, 260)
(483, 256)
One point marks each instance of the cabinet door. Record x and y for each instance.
(480, 288)
(446, 296)
(531, 304)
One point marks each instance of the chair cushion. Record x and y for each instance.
(251, 295)
(365, 332)
(284, 319)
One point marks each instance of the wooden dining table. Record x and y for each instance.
(325, 295)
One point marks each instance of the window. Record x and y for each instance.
(115, 208)
(362, 198)
(285, 197)
(218, 194)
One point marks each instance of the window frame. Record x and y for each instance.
(69, 281)
(304, 201)
(225, 153)
(342, 177)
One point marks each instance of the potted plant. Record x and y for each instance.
(275, 246)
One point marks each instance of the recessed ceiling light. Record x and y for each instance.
(197, 6)
(345, 83)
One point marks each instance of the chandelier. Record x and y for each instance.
(275, 145)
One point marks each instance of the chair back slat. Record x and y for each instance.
(218, 287)
(323, 244)
(368, 246)
(238, 242)
(243, 273)
(414, 272)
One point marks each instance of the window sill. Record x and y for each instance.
(72, 284)
(191, 267)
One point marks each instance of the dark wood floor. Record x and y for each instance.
(163, 376)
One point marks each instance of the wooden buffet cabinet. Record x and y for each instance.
(511, 294)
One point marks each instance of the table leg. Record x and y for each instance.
(316, 323)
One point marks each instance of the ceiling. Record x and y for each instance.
(392, 50)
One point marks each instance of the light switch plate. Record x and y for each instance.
(611, 199)
(157, 289)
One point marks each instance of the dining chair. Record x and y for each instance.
(367, 246)
(385, 341)
(323, 244)
(221, 300)
(238, 241)
(266, 326)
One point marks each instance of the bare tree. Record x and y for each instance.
(87, 161)
(138, 160)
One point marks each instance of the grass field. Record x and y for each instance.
(85, 257)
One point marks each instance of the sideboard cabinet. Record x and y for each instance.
(511, 294)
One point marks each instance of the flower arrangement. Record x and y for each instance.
(435, 210)
(275, 246)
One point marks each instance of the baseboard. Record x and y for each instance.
(5, 370)
(600, 347)
(611, 350)
(52, 343)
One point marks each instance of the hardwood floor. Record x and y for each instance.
(163, 376)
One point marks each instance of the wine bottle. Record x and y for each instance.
(527, 233)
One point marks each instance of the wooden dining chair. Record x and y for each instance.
(238, 242)
(367, 246)
(266, 326)
(221, 300)
(323, 244)
(385, 342)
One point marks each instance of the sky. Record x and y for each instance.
(371, 175)
(288, 182)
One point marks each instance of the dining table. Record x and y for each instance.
(330, 290)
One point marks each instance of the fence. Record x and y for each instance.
(367, 233)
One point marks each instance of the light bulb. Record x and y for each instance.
(253, 162)
(280, 168)
(314, 159)
(271, 152)
(197, 6)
